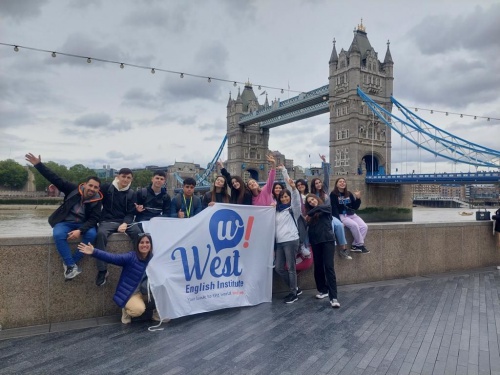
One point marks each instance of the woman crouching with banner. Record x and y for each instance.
(287, 238)
(319, 218)
(132, 287)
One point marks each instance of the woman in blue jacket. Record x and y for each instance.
(128, 291)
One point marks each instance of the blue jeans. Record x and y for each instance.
(60, 233)
(338, 228)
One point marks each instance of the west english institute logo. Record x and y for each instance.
(227, 230)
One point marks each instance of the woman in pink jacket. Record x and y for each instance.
(263, 196)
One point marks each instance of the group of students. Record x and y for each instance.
(93, 211)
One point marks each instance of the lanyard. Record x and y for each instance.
(188, 210)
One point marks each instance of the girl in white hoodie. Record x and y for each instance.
(288, 209)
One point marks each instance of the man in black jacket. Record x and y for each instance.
(152, 201)
(76, 217)
(118, 209)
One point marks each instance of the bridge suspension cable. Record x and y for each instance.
(431, 138)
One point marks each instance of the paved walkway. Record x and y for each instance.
(439, 324)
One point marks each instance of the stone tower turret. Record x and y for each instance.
(247, 146)
(357, 139)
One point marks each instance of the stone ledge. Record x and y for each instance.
(33, 290)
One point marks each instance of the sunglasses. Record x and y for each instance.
(140, 235)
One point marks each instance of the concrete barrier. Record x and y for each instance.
(33, 290)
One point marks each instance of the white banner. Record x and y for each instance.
(220, 258)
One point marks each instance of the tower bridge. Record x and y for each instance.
(359, 99)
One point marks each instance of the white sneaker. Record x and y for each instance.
(126, 318)
(321, 295)
(305, 252)
(335, 304)
(72, 272)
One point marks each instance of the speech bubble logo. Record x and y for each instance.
(226, 229)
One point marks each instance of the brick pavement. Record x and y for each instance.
(439, 324)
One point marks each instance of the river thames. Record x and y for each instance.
(33, 222)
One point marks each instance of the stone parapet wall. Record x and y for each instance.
(33, 290)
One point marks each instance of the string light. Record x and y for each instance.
(209, 79)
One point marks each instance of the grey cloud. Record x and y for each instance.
(79, 4)
(93, 120)
(138, 97)
(173, 20)
(477, 31)
(113, 154)
(20, 10)
(166, 118)
(214, 56)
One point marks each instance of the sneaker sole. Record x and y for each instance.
(299, 293)
(336, 307)
(292, 301)
(321, 297)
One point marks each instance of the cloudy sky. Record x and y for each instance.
(445, 54)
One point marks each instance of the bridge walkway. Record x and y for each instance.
(438, 324)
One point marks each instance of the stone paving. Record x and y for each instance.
(438, 324)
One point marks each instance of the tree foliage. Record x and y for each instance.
(61, 170)
(78, 173)
(12, 174)
(141, 178)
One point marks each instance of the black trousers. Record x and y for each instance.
(324, 268)
(106, 229)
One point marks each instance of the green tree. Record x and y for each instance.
(61, 170)
(141, 178)
(12, 174)
(79, 173)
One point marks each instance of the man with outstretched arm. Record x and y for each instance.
(118, 209)
(77, 216)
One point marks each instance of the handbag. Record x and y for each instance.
(483, 215)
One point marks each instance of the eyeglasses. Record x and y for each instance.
(140, 235)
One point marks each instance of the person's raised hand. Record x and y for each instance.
(32, 158)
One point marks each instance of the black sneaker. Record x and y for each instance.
(100, 280)
(364, 250)
(356, 249)
(299, 291)
(291, 298)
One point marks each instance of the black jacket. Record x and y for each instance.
(73, 195)
(117, 206)
(343, 205)
(320, 229)
(496, 217)
(155, 205)
(247, 197)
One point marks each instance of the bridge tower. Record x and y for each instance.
(359, 143)
(247, 145)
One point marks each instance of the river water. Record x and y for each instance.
(33, 222)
